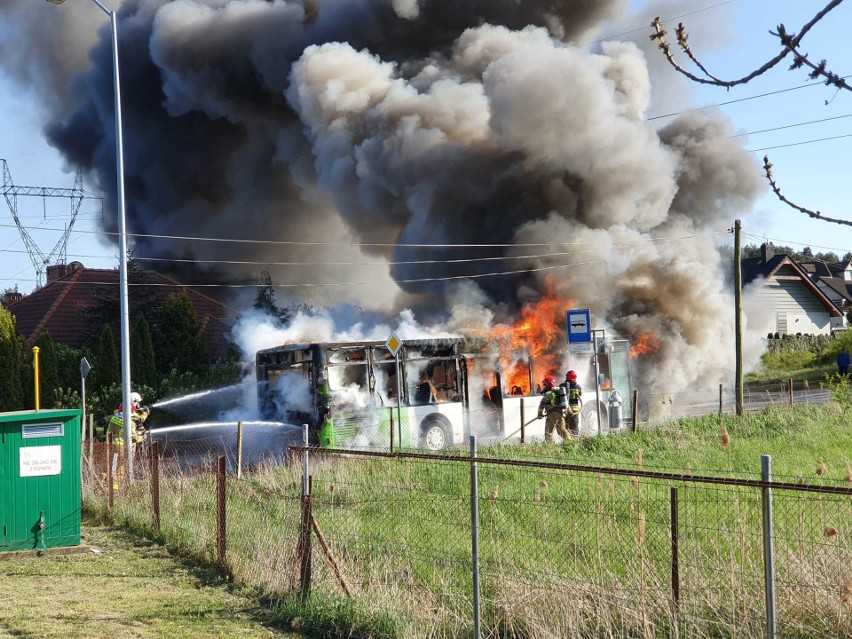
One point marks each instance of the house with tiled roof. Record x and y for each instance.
(835, 280)
(75, 301)
(793, 302)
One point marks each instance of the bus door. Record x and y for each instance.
(521, 399)
(433, 415)
(351, 400)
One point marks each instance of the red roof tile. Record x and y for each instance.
(65, 307)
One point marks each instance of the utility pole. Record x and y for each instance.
(738, 309)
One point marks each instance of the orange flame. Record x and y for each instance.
(539, 333)
(644, 344)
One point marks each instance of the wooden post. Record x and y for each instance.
(720, 401)
(791, 393)
(239, 450)
(327, 550)
(110, 488)
(738, 315)
(635, 410)
(155, 486)
(220, 511)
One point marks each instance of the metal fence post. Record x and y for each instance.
(304, 545)
(635, 411)
(239, 450)
(220, 511)
(155, 486)
(768, 556)
(110, 472)
(675, 528)
(474, 530)
(305, 460)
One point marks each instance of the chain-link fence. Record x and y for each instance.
(538, 549)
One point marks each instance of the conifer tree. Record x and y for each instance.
(11, 392)
(177, 337)
(107, 368)
(142, 362)
(48, 373)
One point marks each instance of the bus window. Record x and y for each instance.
(285, 384)
(384, 372)
(347, 377)
(434, 381)
(516, 380)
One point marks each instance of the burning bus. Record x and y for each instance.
(434, 393)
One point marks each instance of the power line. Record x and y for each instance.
(367, 244)
(784, 146)
(762, 238)
(791, 126)
(381, 282)
(667, 19)
(617, 245)
(746, 99)
(335, 284)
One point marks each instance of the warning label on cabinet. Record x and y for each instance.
(40, 461)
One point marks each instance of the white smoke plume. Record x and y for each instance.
(354, 132)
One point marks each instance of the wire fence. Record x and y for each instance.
(447, 545)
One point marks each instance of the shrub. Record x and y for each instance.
(840, 388)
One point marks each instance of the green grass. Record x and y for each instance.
(563, 553)
(765, 376)
(130, 587)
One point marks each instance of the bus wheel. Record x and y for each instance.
(589, 423)
(436, 433)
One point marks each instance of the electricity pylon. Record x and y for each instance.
(59, 253)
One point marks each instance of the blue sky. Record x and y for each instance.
(732, 37)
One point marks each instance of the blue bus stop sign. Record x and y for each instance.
(579, 326)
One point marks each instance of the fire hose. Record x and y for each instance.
(515, 432)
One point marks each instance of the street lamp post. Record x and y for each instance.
(122, 244)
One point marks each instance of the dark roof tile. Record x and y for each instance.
(64, 307)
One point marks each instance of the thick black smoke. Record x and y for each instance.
(349, 130)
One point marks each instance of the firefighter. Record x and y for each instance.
(138, 415)
(574, 402)
(551, 409)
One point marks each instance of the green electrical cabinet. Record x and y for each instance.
(40, 479)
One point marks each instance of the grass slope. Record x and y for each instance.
(550, 541)
(128, 588)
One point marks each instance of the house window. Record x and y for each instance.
(781, 323)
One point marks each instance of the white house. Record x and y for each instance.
(793, 301)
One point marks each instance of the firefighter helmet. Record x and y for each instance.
(135, 397)
(549, 382)
(571, 376)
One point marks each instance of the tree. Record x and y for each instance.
(68, 364)
(177, 337)
(790, 46)
(47, 370)
(264, 299)
(11, 393)
(144, 371)
(106, 370)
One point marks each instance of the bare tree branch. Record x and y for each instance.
(817, 70)
(767, 167)
(659, 36)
